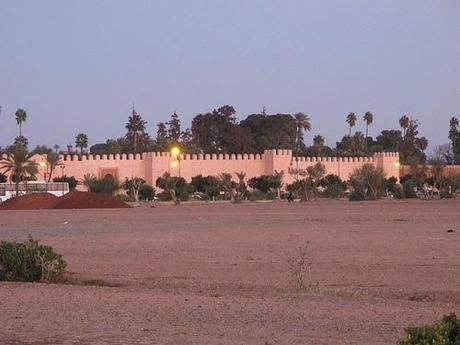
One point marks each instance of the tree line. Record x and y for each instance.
(219, 131)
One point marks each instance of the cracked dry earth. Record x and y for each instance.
(218, 273)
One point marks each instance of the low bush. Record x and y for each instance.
(443, 332)
(334, 186)
(398, 192)
(107, 184)
(256, 195)
(409, 186)
(146, 192)
(71, 180)
(29, 261)
(367, 183)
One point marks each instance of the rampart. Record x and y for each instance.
(151, 165)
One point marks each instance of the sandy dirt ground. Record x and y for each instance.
(218, 273)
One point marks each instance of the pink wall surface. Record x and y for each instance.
(151, 165)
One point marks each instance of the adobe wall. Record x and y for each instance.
(151, 165)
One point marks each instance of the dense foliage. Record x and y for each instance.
(367, 183)
(29, 261)
(443, 332)
(107, 184)
(71, 180)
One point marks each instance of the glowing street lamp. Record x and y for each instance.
(43, 165)
(175, 153)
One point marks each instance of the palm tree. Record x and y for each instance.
(318, 140)
(20, 166)
(81, 141)
(302, 122)
(56, 148)
(368, 118)
(404, 123)
(351, 120)
(240, 189)
(52, 162)
(135, 126)
(21, 116)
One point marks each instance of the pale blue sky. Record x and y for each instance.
(77, 66)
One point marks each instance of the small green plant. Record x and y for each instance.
(443, 332)
(29, 261)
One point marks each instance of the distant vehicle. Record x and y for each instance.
(8, 190)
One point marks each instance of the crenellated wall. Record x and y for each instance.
(151, 165)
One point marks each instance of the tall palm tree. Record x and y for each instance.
(351, 120)
(302, 122)
(404, 123)
(135, 126)
(81, 141)
(20, 166)
(368, 118)
(52, 162)
(21, 116)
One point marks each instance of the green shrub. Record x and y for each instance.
(334, 186)
(264, 183)
(71, 180)
(3, 178)
(146, 192)
(367, 183)
(256, 195)
(398, 192)
(177, 187)
(206, 184)
(444, 332)
(390, 184)
(107, 184)
(29, 261)
(408, 186)
(164, 196)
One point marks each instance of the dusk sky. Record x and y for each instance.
(77, 66)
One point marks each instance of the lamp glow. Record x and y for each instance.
(175, 151)
(174, 164)
(42, 164)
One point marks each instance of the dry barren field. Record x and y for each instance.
(218, 273)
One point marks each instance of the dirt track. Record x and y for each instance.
(218, 274)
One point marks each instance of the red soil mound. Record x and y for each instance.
(31, 201)
(89, 200)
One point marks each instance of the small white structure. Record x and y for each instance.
(8, 190)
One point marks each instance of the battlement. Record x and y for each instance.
(104, 157)
(387, 154)
(212, 156)
(334, 159)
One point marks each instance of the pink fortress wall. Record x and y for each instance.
(151, 165)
